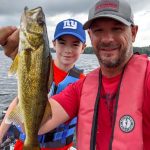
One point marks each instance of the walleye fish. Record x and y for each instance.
(33, 67)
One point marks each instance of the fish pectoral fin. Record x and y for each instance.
(14, 66)
(47, 113)
(15, 117)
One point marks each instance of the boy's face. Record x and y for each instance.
(68, 49)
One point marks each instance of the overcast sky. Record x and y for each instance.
(57, 10)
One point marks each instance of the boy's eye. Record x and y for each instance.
(76, 44)
(61, 42)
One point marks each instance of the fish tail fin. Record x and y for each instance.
(14, 66)
(15, 116)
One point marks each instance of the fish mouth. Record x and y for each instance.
(34, 10)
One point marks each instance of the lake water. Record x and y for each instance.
(8, 85)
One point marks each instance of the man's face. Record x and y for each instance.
(112, 41)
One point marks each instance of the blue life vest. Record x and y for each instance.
(62, 135)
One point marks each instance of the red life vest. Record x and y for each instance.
(128, 124)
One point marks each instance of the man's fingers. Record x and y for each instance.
(11, 47)
(5, 32)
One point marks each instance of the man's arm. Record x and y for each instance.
(4, 127)
(9, 40)
(59, 116)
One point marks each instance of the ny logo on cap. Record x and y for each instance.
(70, 24)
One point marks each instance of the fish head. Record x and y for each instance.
(32, 28)
(33, 20)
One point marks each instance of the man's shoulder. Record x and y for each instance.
(148, 66)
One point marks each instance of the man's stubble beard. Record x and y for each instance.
(125, 55)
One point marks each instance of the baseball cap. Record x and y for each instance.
(70, 27)
(119, 10)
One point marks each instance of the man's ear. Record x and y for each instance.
(83, 48)
(134, 30)
(89, 33)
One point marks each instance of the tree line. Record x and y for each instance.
(140, 50)
(89, 50)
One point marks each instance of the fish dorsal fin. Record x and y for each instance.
(14, 66)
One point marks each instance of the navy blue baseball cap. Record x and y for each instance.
(70, 27)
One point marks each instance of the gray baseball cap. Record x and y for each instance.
(119, 10)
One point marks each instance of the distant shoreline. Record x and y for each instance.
(89, 50)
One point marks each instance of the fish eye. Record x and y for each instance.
(40, 20)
